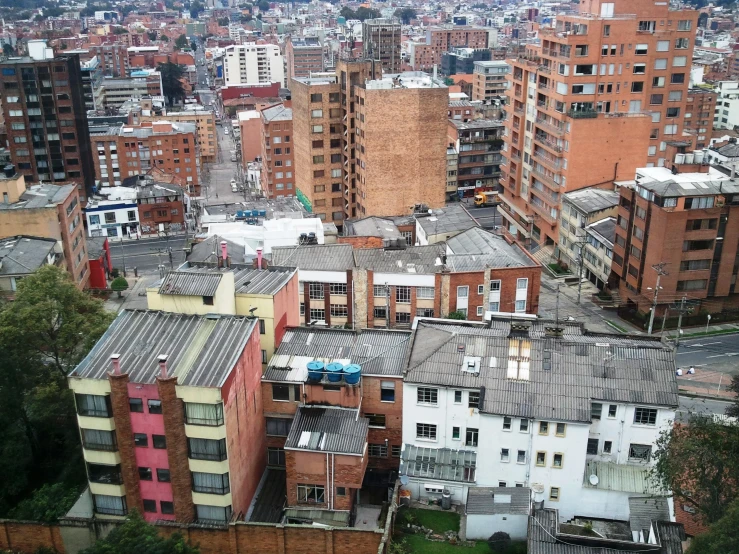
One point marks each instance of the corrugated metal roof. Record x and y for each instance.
(671, 536)
(556, 378)
(438, 463)
(643, 510)
(478, 241)
(414, 259)
(620, 477)
(22, 255)
(498, 500)
(592, 200)
(192, 282)
(378, 351)
(453, 218)
(372, 227)
(202, 350)
(262, 281)
(336, 430)
(326, 257)
(271, 498)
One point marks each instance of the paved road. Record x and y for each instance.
(690, 405)
(488, 217)
(720, 353)
(143, 255)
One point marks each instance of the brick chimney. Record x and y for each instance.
(162, 366)
(116, 360)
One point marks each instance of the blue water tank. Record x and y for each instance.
(335, 372)
(315, 370)
(262, 213)
(352, 372)
(240, 215)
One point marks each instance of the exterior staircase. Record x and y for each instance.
(544, 255)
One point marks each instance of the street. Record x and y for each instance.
(690, 405)
(145, 254)
(487, 217)
(717, 352)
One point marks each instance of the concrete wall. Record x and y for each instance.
(482, 526)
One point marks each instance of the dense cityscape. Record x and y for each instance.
(388, 277)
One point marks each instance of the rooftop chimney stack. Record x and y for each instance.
(224, 253)
(162, 365)
(259, 258)
(116, 359)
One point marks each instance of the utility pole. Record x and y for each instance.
(387, 306)
(580, 264)
(123, 253)
(680, 319)
(556, 309)
(660, 269)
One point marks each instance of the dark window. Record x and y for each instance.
(280, 392)
(99, 473)
(207, 300)
(596, 409)
(316, 97)
(592, 446)
(210, 483)
(145, 473)
(677, 78)
(203, 414)
(473, 400)
(645, 416)
(94, 439)
(150, 505)
(471, 436)
(155, 406)
(141, 439)
(167, 507)
(278, 426)
(387, 391)
(207, 449)
(159, 441)
(376, 420)
(276, 456)
(163, 475)
(340, 491)
(607, 447)
(93, 405)
(262, 327)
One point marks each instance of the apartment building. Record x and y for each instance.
(478, 143)
(486, 405)
(161, 417)
(46, 120)
(303, 57)
(359, 138)
(276, 128)
(92, 77)
(114, 215)
(248, 64)
(726, 114)
(49, 211)
(425, 55)
(599, 97)
(161, 206)
(299, 397)
(381, 40)
(269, 294)
(700, 105)
(688, 222)
(462, 60)
(117, 91)
(587, 231)
(489, 80)
(125, 151)
(113, 59)
(21, 256)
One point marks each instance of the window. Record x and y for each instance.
(640, 452)
(426, 431)
(473, 400)
(427, 395)
(145, 473)
(163, 475)
(150, 505)
(524, 426)
(207, 300)
(338, 288)
(641, 49)
(387, 391)
(316, 129)
(541, 459)
(684, 25)
(208, 514)
(480, 289)
(141, 440)
(380, 312)
(656, 99)
(425, 293)
(106, 474)
(592, 446)
(317, 159)
(316, 113)
(689, 245)
(315, 291)
(203, 414)
(645, 416)
(403, 318)
(166, 507)
(403, 295)
(677, 78)
(210, 483)
(612, 410)
(278, 426)
(209, 449)
(379, 291)
(471, 437)
(457, 396)
(376, 420)
(311, 494)
(339, 310)
(543, 427)
(596, 409)
(105, 504)
(682, 43)
(554, 493)
(607, 447)
(136, 405)
(159, 441)
(506, 424)
(675, 96)
(557, 460)
(377, 450)
(505, 455)
(462, 292)
(560, 429)
(520, 306)
(316, 97)
(695, 265)
(155, 406)
(637, 86)
(280, 392)
(276, 456)
(455, 433)
(521, 457)
(679, 61)
(94, 439)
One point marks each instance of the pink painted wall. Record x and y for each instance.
(154, 458)
(245, 426)
(287, 309)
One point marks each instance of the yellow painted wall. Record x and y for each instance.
(223, 301)
(265, 310)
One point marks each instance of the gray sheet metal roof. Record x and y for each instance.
(592, 200)
(414, 259)
(671, 536)
(605, 229)
(372, 227)
(263, 281)
(479, 262)
(453, 218)
(438, 463)
(378, 351)
(675, 188)
(209, 251)
(565, 374)
(336, 430)
(326, 257)
(191, 282)
(277, 113)
(271, 498)
(22, 255)
(643, 510)
(202, 350)
(499, 500)
(41, 196)
(620, 477)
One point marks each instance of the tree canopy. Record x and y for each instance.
(223, 22)
(722, 537)
(136, 536)
(181, 43)
(263, 5)
(362, 13)
(195, 8)
(405, 15)
(171, 75)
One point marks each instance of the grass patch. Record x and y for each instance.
(418, 544)
(616, 326)
(436, 520)
(558, 269)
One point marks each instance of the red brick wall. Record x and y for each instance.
(371, 404)
(28, 536)
(362, 242)
(508, 278)
(310, 468)
(124, 434)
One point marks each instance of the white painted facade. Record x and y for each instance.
(117, 216)
(522, 452)
(250, 64)
(727, 105)
(481, 526)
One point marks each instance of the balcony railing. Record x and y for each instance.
(549, 126)
(583, 114)
(548, 143)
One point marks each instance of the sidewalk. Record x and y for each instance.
(135, 297)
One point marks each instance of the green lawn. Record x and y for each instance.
(436, 520)
(417, 543)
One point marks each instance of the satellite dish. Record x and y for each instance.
(537, 488)
(593, 479)
(403, 480)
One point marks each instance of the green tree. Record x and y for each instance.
(152, 35)
(193, 46)
(181, 43)
(119, 284)
(8, 49)
(164, 38)
(171, 83)
(196, 8)
(223, 21)
(697, 462)
(120, 31)
(733, 408)
(263, 5)
(456, 315)
(47, 504)
(405, 15)
(136, 536)
(721, 537)
(245, 18)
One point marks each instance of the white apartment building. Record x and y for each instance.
(727, 105)
(116, 215)
(251, 64)
(529, 403)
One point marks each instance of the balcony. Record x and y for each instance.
(546, 179)
(542, 139)
(550, 127)
(583, 114)
(549, 162)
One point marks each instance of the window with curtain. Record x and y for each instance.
(211, 483)
(203, 414)
(111, 505)
(94, 439)
(207, 449)
(93, 405)
(211, 514)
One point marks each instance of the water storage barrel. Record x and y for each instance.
(315, 370)
(335, 371)
(352, 373)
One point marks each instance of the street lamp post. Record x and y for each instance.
(123, 254)
(708, 322)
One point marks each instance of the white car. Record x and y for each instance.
(225, 131)
(234, 188)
